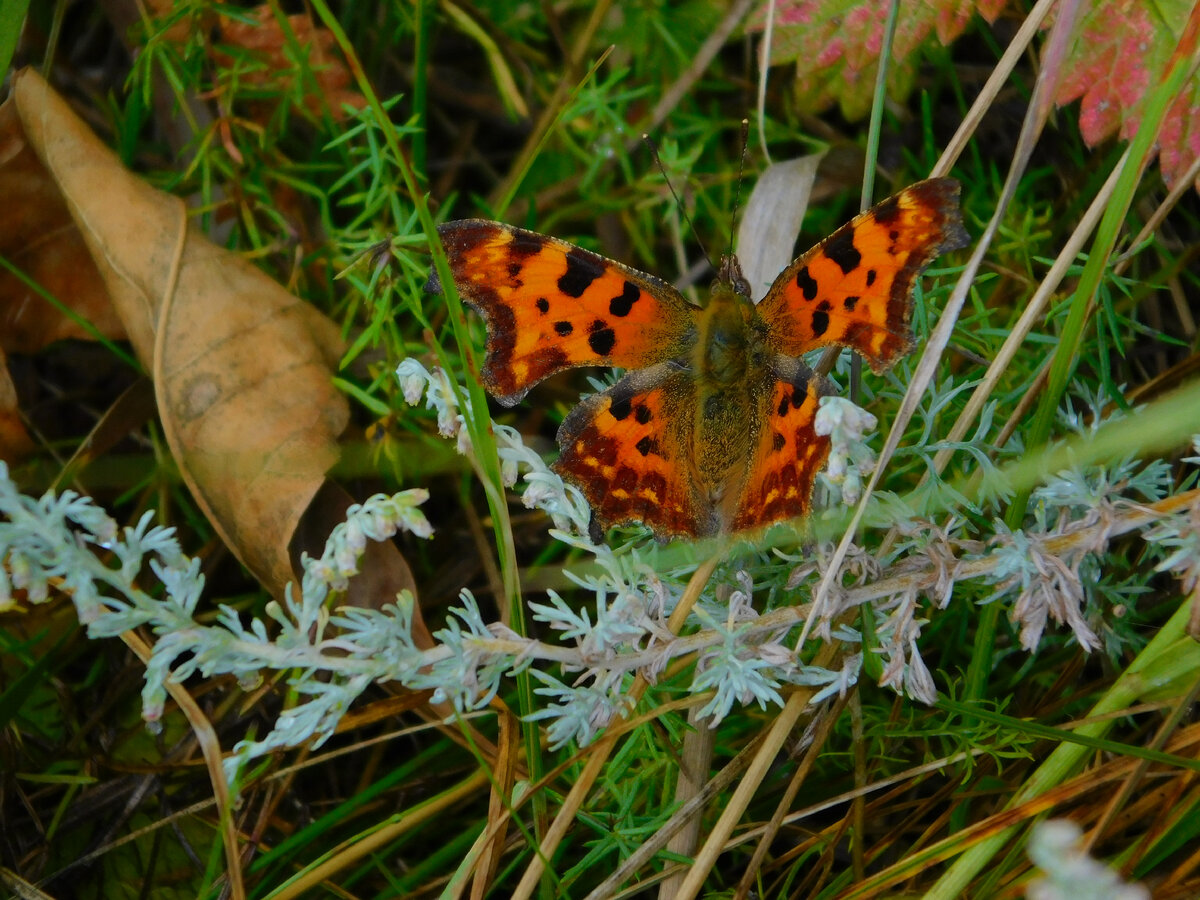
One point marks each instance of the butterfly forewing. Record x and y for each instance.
(550, 305)
(855, 287)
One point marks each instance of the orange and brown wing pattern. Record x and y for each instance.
(628, 449)
(854, 288)
(789, 452)
(550, 305)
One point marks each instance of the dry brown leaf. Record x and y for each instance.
(38, 237)
(267, 40)
(241, 367)
(265, 58)
(15, 443)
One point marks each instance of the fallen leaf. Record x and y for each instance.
(15, 443)
(241, 368)
(262, 45)
(1121, 50)
(39, 238)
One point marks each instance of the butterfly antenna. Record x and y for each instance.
(679, 203)
(737, 192)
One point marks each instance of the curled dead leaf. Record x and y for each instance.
(241, 367)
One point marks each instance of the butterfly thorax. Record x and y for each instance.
(729, 361)
(730, 339)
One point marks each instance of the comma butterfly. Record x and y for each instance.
(711, 431)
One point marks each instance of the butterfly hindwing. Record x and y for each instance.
(550, 305)
(854, 288)
(629, 450)
(788, 452)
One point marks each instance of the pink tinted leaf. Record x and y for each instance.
(835, 45)
(1122, 51)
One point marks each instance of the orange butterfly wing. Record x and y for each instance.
(788, 452)
(550, 305)
(629, 450)
(855, 287)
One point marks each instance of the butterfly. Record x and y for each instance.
(711, 429)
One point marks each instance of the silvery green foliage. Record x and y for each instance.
(740, 668)
(1052, 582)
(850, 456)
(1046, 584)
(581, 710)
(1095, 491)
(353, 647)
(742, 655)
(58, 537)
(1179, 538)
(50, 538)
(936, 406)
(467, 672)
(1068, 873)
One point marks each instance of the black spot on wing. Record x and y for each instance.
(646, 446)
(621, 306)
(620, 408)
(887, 211)
(563, 328)
(840, 248)
(870, 277)
(806, 283)
(582, 269)
(525, 244)
(778, 442)
(820, 318)
(799, 393)
(850, 303)
(642, 413)
(543, 305)
(601, 338)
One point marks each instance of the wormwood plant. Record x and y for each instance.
(1060, 569)
(1050, 572)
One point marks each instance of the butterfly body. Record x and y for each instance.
(711, 430)
(729, 366)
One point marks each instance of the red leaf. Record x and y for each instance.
(1121, 51)
(836, 43)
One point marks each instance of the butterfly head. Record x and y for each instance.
(730, 274)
